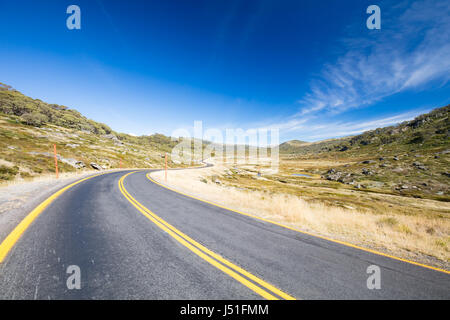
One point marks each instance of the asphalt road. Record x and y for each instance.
(127, 253)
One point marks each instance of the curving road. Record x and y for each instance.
(133, 239)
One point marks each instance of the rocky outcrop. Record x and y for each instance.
(114, 138)
(367, 172)
(419, 166)
(70, 161)
(80, 164)
(339, 176)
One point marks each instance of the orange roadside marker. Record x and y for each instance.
(56, 161)
(166, 168)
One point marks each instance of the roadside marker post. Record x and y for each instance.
(166, 168)
(56, 161)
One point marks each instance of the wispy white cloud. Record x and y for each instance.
(341, 129)
(314, 128)
(411, 50)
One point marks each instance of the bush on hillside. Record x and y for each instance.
(34, 119)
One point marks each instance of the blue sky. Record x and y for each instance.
(310, 68)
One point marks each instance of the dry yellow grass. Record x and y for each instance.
(52, 177)
(422, 238)
(47, 177)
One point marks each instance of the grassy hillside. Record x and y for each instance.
(427, 131)
(410, 159)
(29, 128)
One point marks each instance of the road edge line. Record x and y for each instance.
(379, 253)
(11, 239)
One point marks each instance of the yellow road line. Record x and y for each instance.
(18, 231)
(206, 254)
(300, 231)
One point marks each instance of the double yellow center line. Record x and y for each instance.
(249, 280)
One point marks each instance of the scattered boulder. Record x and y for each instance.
(110, 136)
(80, 164)
(332, 175)
(396, 158)
(96, 166)
(376, 184)
(394, 131)
(114, 138)
(69, 161)
(339, 176)
(419, 166)
(367, 172)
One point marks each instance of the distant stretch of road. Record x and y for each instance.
(134, 239)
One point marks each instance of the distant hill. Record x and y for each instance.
(429, 130)
(291, 146)
(411, 158)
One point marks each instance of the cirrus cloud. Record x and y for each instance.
(411, 50)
